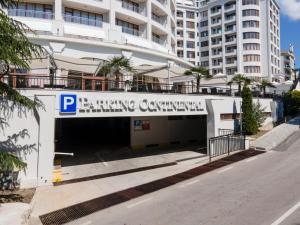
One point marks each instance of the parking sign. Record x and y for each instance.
(68, 103)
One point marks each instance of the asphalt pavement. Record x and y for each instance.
(262, 190)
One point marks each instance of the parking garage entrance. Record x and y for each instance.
(101, 145)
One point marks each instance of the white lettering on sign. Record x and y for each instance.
(145, 105)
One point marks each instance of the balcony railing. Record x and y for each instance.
(158, 19)
(133, 8)
(30, 13)
(158, 40)
(83, 20)
(131, 31)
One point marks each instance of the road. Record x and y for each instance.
(263, 190)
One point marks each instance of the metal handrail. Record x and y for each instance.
(30, 13)
(83, 20)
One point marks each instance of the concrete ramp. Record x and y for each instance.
(278, 135)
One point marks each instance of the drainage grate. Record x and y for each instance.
(85, 208)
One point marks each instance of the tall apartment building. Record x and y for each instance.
(143, 30)
(187, 16)
(235, 36)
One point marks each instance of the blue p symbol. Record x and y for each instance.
(68, 103)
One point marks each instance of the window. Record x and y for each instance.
(190, 44)
(204, 23)
(87, 18)
(250, 12)
(190, 54)
(250, 23)
(251, 58)
(204, 34)
(205, 54)
(251, 46)
(250, 2)
(250, 35)
(252, 69)
(128, 28)
(190, 15)
(190, 24)
(204, 43)
(43, 11)
(179, 14)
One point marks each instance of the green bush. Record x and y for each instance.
(291, 102)
(249, 123)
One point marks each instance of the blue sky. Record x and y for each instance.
(290, 26)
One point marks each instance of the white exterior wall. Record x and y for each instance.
(96, 41)
(265, 41)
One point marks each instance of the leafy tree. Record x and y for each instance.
(249, 122)
(258, 112)
(240, 80)
(200, 73)
(264, 84)
(16, 50)
(291, 102)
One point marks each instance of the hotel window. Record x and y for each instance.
(190, 24)
(250, 2)
(250, 12)
(203, 14)
(204, 34)
(205, 54)
(82, 17)
(179, 23)
(205, 63)
(191, 34)
(251, 58)
(180, 44)
(204, 23)
(251, 46)
(190, 44)
(204, 43)
(190, 54)
(179, 14)
(190, 15)
(128, 28)
(250, 23)
(250, 35)
(252, 69)
(34, 10)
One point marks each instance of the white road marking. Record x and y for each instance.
(189, 183)
(287, 214)
(251, 159)
(87, 223)
(138, 203)
(224, 170)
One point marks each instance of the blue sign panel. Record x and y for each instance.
(68, 103)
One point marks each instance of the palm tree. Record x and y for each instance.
(199, 73)
(240, 80)
(116, 66)
(264, 84)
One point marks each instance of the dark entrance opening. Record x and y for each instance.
(87, 137)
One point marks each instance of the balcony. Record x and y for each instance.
(217, 64)
(217, 54)
(216, 33)
(230, 8)
(31, 13)
(133, 8)
(230, 52)
(230, 19)
(158, 19)
(216, 43)
(131, 31)
(230, 30)
(231, 63)
(158, 41)
(230, 41)
(215, 12)
(83, 20)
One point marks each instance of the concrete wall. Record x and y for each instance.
(41, 124)
(164, 131)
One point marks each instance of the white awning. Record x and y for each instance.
(74, 64)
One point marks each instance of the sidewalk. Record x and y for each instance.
(277, 135)
(16, 212)
(51, 198)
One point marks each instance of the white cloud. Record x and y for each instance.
(291, 8)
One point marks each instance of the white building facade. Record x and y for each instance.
(240, 36)
(187, 31)
(288, 68)
(143, 30)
